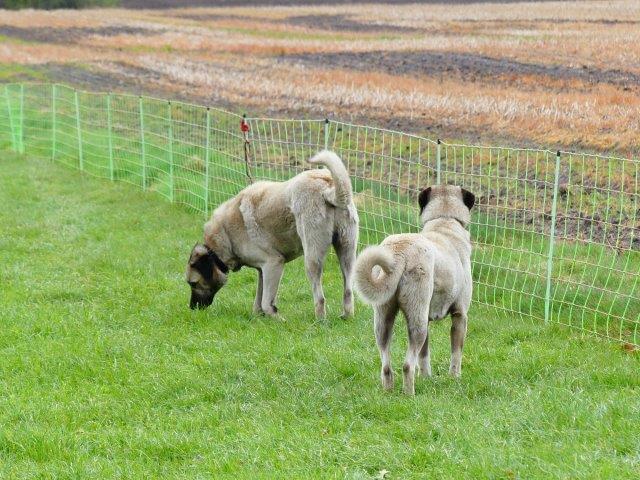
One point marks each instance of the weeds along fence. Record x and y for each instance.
(556, 234)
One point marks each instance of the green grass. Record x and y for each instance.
(10, 72)
(105, 372)
(7, 39)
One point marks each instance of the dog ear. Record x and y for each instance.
(423, 198)
(202, 263)
(468, 198)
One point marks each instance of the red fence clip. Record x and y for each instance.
(244, 126)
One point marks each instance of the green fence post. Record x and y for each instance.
(326, 134)
(21, 124)
(552, 235)
(81, 160)
(142, 148)
(14, 145)
(109, 136)
(206, 165)
(438, 161)
(170, 128)
(53, 122)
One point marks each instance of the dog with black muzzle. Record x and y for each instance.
(427, 275)
(206, 274)
(271, 223)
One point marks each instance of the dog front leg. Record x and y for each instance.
(271, 275)
(257, 304)
(458, 332)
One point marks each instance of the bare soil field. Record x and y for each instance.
(463, 66)
(549, 74)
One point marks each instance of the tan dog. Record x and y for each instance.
(427, 275)
(271, 223)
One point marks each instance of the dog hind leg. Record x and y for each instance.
(346, 250)
(315, 251)
(415, 299)
(384, 318)
(417, 328)
(458, 332)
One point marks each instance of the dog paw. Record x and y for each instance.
(387, 378)
(409, 389)
(347, 313)
(270, 311)
(321, 312)
(347, 306)
(408, 379)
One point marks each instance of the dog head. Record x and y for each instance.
(448, 201)
(206, 274)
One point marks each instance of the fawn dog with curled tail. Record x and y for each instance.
(427, 275)
(271, 223)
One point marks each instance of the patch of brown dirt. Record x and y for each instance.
(465, 66)
(342, 23)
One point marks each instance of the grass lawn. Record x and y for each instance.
(106, 373)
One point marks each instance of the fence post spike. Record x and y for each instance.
(206, 164)
(438, 161)
(53, 122)
(244, 127)
(14, 145)
(109, 134)
(79, 131)
(170, 146)
(21, 125)
(326, 134)
(142, 146)
(552, 234)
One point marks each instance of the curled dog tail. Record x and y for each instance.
(342, 192)
(377, 290)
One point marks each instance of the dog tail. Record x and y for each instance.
(342, 194)
(378, 289)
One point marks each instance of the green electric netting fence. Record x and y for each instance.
(556, 234)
